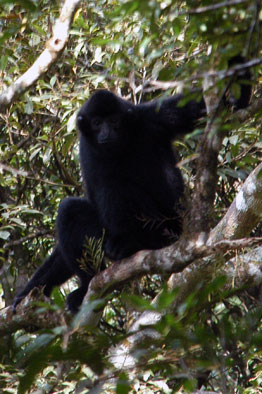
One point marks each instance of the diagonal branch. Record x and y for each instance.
(168, 260)
(173, 259)
(54, 47)
(245, 211)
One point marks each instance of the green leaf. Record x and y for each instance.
(27, 4)
(35, 366)
(53, 81)
(166, 298)
(3, 62)
(29, 107)
(4, 234)
(138, 302)
(123, 385)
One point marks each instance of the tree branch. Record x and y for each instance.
(54, 47)
(28, 318)
(244, 213)
(215, 7)
(211, 74)
(168, 260)
(201, 212)
(173, 259)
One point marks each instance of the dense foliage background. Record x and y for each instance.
(214, 339)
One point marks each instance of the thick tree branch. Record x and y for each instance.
(54, 47)
(173, 259)
(244, 213)
(167, 260)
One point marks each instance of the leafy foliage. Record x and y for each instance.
(93, 254)
(214, 338)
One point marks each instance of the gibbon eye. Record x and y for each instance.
(96, 122)
(114, 121)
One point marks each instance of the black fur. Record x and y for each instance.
(132, 183)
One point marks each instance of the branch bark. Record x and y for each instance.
(28, 318)
(201, 212)
(54, 47)
(244, 213)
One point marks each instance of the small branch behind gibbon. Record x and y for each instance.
(214, 7)
(202, 206)
(54, 47)
(213, 74)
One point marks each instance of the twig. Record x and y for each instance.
(15, 172)
(219, 75)
(214, 7)
(27, 238)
